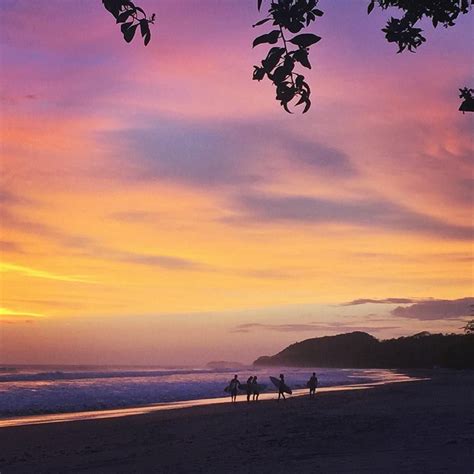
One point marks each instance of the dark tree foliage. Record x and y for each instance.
(468, 100)
(469, 327)
(359, 349)
(130, 16)
(288, 17)
(403, 30)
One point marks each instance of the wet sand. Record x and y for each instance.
(424, 426)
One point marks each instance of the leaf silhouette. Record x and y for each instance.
(130, 33)
(113, 6)
(124, 16)
(272, 59)
(305, 39)
(261, 22)
(302, 57)
(258, 73)
(271, 38)
(125, 27)
(144, 29)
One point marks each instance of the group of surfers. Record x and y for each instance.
(253, 388)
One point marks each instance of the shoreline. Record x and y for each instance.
(67, 417)
(419, 426)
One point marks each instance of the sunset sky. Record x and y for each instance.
(157, 206)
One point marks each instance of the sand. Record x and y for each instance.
(424, 426)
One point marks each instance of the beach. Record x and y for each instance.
(421, 426)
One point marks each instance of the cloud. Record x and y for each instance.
(49, 303)
(191, 153)
(10, 321)
(436, 309)
(10, 218)
(268, 274)
(423, 308)
(371, 213)
(313, 156)
(303, 327)
(15, 99)
(9, 246)
(38, 273)
(9, 198)
(6, 312)
(380, 301)
(44, 230)
(82, 245)
(205, 154)
(87, 246)
(136, 216)
(419, 257)
(10, 206)
(163, 261)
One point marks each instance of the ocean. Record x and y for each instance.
(34, 390)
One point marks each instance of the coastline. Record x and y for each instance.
(66, 417)
(419, 426)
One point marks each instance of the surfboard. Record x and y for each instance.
(259, 387)
(241, 387)
(227, 389)
(276, 382)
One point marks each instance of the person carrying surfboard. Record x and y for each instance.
(255, 389)
(234, 387)
(249, 387)
(313, 385)
(282, 388)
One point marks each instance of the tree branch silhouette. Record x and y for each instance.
(130, 16)
(467, 104)
(290, 17)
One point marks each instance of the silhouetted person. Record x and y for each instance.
(281, 388)
(255, 389)
(234, 387)
(313, 385)
(249, 387)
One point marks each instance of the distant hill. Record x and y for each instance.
(359, 349)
